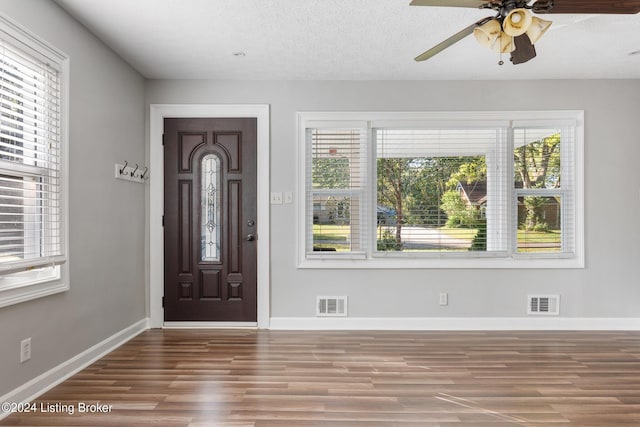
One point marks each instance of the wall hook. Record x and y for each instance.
(128, 172)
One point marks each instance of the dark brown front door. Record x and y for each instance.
(210, 220)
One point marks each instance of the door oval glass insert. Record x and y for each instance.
(210, 206)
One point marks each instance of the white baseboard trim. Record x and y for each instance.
(458, 323)
(43, 383)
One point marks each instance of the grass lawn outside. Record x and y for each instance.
(552, 236)
(539, 241)
(337, 237)
(331, 236)
(459, 233)
(330, 232)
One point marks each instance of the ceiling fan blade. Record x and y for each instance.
(524, 50)
(453, 3)
(591, 6)
(451, 40)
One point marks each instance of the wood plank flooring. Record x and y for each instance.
(243, 378)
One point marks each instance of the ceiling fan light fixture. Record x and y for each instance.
(503, 44)
(487, 33)
(517, 22)
(537, 28)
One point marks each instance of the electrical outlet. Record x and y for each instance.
(444, 298)
(25, 350)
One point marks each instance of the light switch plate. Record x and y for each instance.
(276, 197)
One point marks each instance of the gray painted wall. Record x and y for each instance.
(607, 287)
(106, 215)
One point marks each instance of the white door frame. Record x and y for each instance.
(155, 277)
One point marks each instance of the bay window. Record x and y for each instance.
(430, 190)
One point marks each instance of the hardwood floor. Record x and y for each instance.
(240, 378)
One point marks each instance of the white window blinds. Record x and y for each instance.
(335, 193)
(448, 190)
(30, 160)
(441, 190)
(544, 185)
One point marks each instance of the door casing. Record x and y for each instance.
(155, 191)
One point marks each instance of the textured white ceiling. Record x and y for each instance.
(343, 40)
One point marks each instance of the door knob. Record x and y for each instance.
(250, 237)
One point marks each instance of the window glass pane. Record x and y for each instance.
(336, 180)
(32, 179)
(335, 161)
(210, 205)
(34, 276)
(30, 158)
(539, 224)
(431, 204)
(433, 189)
(335, 221)
(25, 231)
(12, 224)
(537, 158)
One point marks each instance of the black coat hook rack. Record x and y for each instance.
(133, 173)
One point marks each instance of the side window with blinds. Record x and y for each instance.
(32, 246)
(471, 190)
(335, 190)
(543, 183)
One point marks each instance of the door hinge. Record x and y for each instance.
(163, 139)
(163, 220)
(162, 302)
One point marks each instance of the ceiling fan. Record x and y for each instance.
(515, 28)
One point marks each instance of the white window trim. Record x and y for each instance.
(362, 192)
(444, 260)
(31, 284)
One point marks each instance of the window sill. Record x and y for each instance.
(32, 289)
(443, 263)
(342, 256)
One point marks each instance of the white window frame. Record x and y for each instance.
(373, 259)
(360, 194)
(31, 280)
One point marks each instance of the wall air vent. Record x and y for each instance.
(543, 304)
(331, 306)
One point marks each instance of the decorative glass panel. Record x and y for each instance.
(210, 205)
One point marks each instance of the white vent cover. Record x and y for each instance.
(331, 306)
(543, 304)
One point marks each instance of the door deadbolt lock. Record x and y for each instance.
(251, 223)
